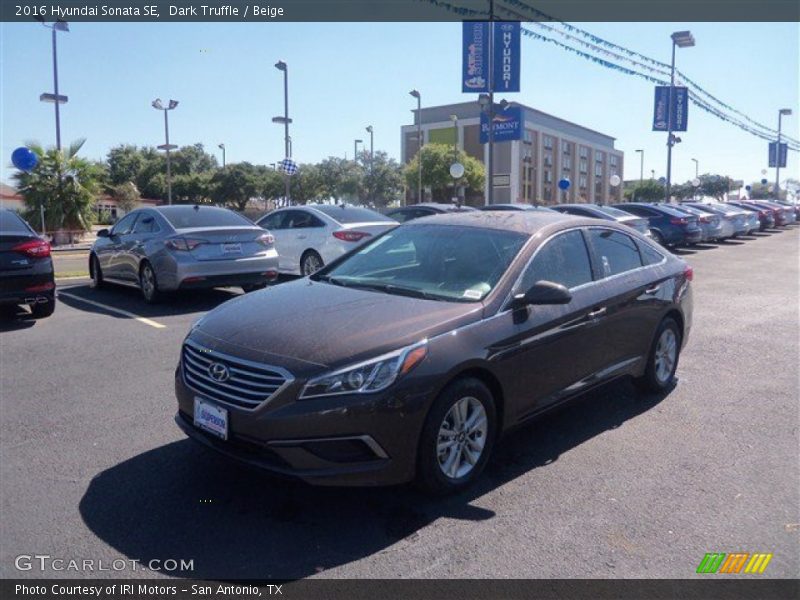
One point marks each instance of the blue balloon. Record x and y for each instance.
(563, 184)
(24, 159)
(747, 187)
(763, 182)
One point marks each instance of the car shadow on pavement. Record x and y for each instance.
(13, 318)
(182, 501)
(130, 299)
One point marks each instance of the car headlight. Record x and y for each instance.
(369, 376)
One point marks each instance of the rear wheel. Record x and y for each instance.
(40, 310)
(662, 361)
(252, 287)
(95, 272)
(457, 437)
(149, 284)
(657, 237)
(310, 263)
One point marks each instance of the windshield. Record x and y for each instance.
(438, 262)
(614, 212)
(353, 214)
(182, 217)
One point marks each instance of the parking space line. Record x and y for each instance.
(131, 315)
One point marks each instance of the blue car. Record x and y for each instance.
(668, 226)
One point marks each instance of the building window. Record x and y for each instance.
(566, 163)
(547, 141)
(584, 152)
(583, 181)
(584, 165)
(528, 136)
(598, 169)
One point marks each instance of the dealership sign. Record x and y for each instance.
(772, 161)
(507, 125)
(505, 56)
(680, 108)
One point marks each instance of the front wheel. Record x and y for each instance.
(149, 284)
(662, 362)
(95, 272)
(310, 263)
(457, 438)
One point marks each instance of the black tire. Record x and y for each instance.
(95, 272)
(252, 287)
(430, 472)
(656, 378)
(657, 237)
(148, 283)
(42, 310)
(310, 262)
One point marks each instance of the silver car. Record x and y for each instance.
(183, 247)
(733, 222)
(309, 237)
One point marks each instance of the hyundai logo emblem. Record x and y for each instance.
(218, 372)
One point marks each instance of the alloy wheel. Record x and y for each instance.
(462, 437)
(148, 282)
(311, 264)
(666, 354)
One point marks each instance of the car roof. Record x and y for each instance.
(520, 221)
(442, 206)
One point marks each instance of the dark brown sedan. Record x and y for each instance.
(409, 357)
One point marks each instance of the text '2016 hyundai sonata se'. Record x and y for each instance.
(408, 357)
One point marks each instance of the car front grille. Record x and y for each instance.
(248, 384)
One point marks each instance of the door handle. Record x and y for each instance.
(301, 237)
(597, 313)
(653, 289)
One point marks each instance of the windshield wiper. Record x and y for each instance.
(391, 288)
(329, 279)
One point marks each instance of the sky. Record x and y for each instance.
(345, 76)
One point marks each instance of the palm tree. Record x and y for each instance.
(65, 184)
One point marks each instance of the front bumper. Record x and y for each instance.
(363, 440)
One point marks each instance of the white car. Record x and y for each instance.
(309, 237)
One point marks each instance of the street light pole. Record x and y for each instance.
(682, 39)
(371, 159)
(222, 147)
(696, 167)
(641, 166)
(287, 149)
(166, 146)
(418, 96)
(355, 149)
(781, 112)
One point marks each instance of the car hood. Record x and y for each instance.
(304, 325)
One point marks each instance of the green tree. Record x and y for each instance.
(192, 159)
(436, 161)
(65, 184)
(714, 185)
(125, 163)
(647, 191)
(192, 188)
(339, 178)
(126, 195)
(382, 182)
(271, 182)
(306, 185)
(236, 184)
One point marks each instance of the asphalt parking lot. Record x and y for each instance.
(615, 485)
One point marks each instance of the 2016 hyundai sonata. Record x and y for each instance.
(409, 357)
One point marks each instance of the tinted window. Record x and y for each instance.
(650, 256)
(146, 224)
(640, 210)
(564, 259)
(613, 212)
(615, 251)
(11, 223)
(352, 214)
(274, 220)
(125, 225)
(443, 262)
(580, 212)
(407, 214)
(300, 219)
(181, 217)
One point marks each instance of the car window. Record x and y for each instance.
(580, 212)
(187, 216)
(125, 225)
(300, 219)
(616, 252)
(641, 211)
(146, 224)
(407, 214)
(11, 223)
(352, 214)
(274, 220)
(564, 259)
(650, 256)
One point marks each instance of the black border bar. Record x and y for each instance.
(153, 11)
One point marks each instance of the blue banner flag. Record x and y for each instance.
(784, 150)
(680, 108)
(506, 56)
(508, 125)
(475, 67)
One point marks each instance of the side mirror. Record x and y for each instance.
(543, 292)
(104, 233)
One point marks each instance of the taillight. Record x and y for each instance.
(679, 221)
(182, 244)
(266, 239)
(347, 235)
(705, 219)
(688, 273)
(34, 248)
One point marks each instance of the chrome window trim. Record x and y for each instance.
(289, 378)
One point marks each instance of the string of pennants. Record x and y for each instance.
(655, 70)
